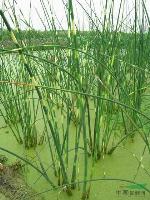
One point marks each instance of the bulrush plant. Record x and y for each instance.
(44, 106)
(84, 89)
(18, 107)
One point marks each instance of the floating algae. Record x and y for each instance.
(12, 183)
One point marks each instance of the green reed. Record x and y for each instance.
(92, 80)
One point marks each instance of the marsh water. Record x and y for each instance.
(122, 164)
(111, 174)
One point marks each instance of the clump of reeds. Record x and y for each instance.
(94, 80)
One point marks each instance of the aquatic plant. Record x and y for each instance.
(91, 80)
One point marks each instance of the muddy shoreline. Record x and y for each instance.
(12, 182)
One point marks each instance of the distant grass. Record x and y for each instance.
(34, 37)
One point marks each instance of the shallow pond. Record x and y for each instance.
(110, 173)
(122, 164)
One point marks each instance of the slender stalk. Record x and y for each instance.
(45, 109)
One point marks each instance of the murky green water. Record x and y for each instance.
(121, 165)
